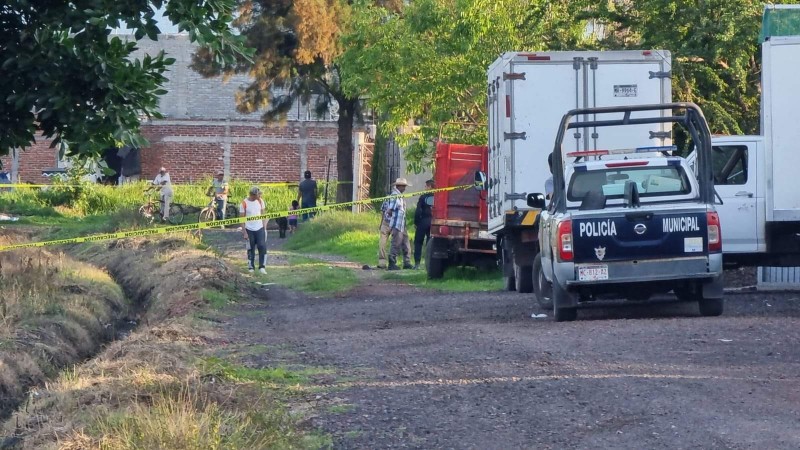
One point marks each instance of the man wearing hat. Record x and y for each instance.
(219, 189)
(163, 181)
(394, 221)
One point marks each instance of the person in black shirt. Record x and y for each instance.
(307, 194)
(422, 220)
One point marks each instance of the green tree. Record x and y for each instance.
(296, 44)
(424, 68)
(64, 75)
(714, 45)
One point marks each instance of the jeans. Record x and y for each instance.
(220, 205)
(257, 240)
(310, 215)
(400, 243)
(422, 235)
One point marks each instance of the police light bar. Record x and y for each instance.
(587, 153)
(657, 149)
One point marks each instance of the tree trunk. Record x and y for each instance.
(344, 151)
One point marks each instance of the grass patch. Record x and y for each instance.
(456, 279)
(356, 237)
(272, 375)
(353, 236)
(341, 408)
(312, 275)
(217, 299)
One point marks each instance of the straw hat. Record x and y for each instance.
(401, 182)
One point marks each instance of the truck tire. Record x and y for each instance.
(524, 278)
(562, 313)
(542, 289)
(711, 307)
(434, 266)
(509, 281)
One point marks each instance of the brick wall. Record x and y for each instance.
(33, 160)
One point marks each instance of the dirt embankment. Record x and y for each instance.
(151, 389)
(54, 312)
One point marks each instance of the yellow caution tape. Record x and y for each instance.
(216, 223)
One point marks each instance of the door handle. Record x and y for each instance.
(744, 194)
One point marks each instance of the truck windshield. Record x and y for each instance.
(650, 182)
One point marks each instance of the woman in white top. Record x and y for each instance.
(255, 231)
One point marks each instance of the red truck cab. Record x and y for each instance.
(459, 233)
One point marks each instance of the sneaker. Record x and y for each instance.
(262, 271)
(393, 267)
(407, 266)
(416, 266)
(250, 269)
(381, 266)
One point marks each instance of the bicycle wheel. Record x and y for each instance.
(147, 212)
(175, 214)
(207, 215)
(231, 212)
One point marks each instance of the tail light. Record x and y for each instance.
(564, 241)
(714, 232)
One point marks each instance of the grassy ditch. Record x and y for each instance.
(356, 237)
(54, 312)
(156, 388)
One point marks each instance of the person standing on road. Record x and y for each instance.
(396, 217)
(219, 189)
(255, 231)
(422, 221)
(307, 195)
(165, 183)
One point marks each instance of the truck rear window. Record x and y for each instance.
(650, 182)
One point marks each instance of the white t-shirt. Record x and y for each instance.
(166, 189)
(253, 208)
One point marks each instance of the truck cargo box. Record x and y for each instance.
(528, 93)
(456, 165)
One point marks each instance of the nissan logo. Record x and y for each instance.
(640, 228)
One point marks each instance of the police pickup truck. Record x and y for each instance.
(630, 223)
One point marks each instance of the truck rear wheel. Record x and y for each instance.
(711, 307)
(560, 297)
(524, 278)
(542, 289)
(509, 281)
(434, 266)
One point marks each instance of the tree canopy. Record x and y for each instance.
(65, 75)
(424, 68)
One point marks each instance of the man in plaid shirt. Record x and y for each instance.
(394, 219)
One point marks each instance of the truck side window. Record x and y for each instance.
(730, 164)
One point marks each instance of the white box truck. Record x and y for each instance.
(528, 93)
(756, 177)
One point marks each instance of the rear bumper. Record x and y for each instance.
(657, 270)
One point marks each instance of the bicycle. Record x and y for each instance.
(150, 209)
(209, 213)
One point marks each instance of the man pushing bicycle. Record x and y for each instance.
(219, 189)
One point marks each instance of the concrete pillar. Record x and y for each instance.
(303, 148)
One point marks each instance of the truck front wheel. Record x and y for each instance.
(434, 266)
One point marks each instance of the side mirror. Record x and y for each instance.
(536, 200)
(480, 181)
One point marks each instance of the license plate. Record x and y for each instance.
(593, 273)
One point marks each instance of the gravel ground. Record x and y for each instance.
(421, 369)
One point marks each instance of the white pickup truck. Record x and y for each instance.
(756, 177)
(629, 222)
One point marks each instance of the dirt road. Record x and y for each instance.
(419, 369)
